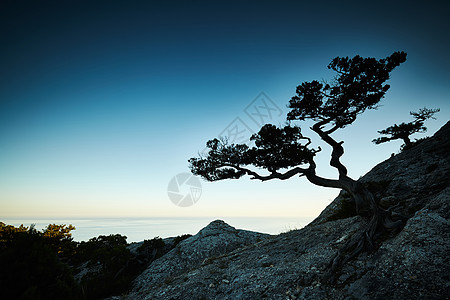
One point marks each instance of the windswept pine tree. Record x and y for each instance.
(281, 153)
(403, 131)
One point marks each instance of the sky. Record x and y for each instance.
(102, 103)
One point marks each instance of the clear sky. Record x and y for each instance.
(103, 102)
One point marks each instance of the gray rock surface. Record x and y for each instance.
(221, 262)
(216, 239)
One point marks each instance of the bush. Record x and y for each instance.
(31, 269)
(111, 255)
(180, 238)
(150, 246)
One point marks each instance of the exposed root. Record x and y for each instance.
(366, 239)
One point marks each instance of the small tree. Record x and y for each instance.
(59, 237)
(286, 152)
(404, 130)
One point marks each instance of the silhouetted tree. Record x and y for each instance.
(404, 130)
(285, 152)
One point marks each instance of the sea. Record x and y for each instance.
(139, 229)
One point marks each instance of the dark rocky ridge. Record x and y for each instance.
(221, 262)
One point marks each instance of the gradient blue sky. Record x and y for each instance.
(103, 102)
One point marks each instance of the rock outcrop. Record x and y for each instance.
(213, 241)
(221, 262)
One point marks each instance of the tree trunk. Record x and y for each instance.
(377, 220)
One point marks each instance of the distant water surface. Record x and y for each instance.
(139, 229)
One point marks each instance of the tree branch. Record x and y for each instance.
(273, 175)
(309, 173)
(338, 150)
(321, 181)
(330, 131)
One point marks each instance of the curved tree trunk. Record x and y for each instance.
(377, 222)
(377, 219)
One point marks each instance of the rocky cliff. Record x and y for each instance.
(221, 262)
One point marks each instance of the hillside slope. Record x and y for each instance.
(413, 264)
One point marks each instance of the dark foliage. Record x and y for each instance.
(152, 249)
(276, 148)
(155, 243)
(403, 131)
(358, 86)
(31, 268)
(111, 259)
(180, 238)
(42, 265)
